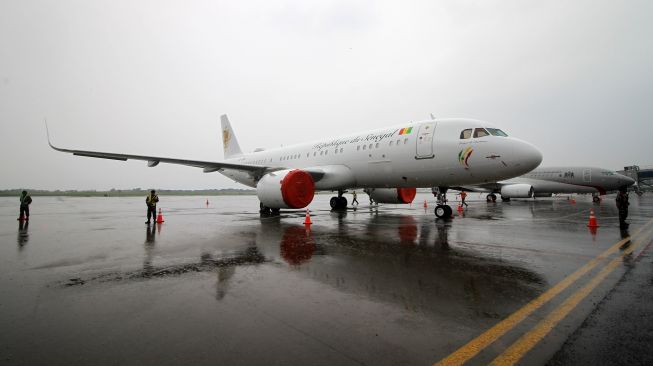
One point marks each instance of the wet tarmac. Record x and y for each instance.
(87, 282)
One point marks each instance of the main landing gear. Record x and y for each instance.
(264, 210)
(338, 203)
(491, 197)
(442, 210)
(596, 198)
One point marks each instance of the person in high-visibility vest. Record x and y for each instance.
(151, 201)
(622, 206)
(25, 201)
(463, 195)
(354, 199)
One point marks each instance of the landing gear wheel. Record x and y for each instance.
(338, 203)
(342, 203)
(276, 211)
(596, 199)
(443, 211)
(491, 197)
(263, 210)
(334, 203)
(505, 199)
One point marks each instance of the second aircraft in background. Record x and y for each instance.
(544, 182)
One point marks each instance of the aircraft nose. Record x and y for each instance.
(627, 181)
(529, 156)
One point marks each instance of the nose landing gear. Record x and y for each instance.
(443, 211)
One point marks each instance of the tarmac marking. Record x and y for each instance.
(478, 344)
(525, 343)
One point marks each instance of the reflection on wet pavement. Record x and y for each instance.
(386, 284)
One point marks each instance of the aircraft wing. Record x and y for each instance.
(338, 176)
(207, 166)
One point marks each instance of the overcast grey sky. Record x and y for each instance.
(575, 78)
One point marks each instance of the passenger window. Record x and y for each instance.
(377, 145)
(391, 143)
(364, 147)
(342, 149)
(405, 141)
(358, 148)
(370, 147)
(314, 153)
(465, 134)
(497, 132)
(480, 132)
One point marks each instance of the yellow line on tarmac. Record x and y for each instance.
(525, 343)
(473, 347)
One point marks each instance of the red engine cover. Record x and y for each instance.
(406, 195)
(298, 189)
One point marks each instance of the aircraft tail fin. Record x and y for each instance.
(229, 141)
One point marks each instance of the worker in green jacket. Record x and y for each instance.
(151, 201)
(25, 201)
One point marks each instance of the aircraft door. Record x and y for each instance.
(587, 175)
(425, 137)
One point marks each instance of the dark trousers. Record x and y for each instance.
(623, 214)
(463, 202)
(151, 211)
(24, 210)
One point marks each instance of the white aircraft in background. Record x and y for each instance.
(389, 163)
(544, 182)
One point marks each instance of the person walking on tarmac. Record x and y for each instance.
(622, 205)
(151, 201)
(354, 198)
(25, 201)
(463, 195)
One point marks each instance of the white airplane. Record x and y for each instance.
(544, 182)
(390, 162)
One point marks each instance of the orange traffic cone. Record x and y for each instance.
(425, 205)
(159, 218)
(460, 207)
(307, 219)
(573, 201)
(592, 222)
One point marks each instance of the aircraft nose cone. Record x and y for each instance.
(529, 156)
(627, 181)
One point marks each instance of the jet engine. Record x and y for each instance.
(286, 189)
(517, 191)
(392, 195)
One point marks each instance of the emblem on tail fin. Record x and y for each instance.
(229, 140)
(225, 137)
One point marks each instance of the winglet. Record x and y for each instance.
(229, 141)
(47, 133)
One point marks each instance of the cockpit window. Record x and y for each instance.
(480, 132)
(466, 134)
(497, 132)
